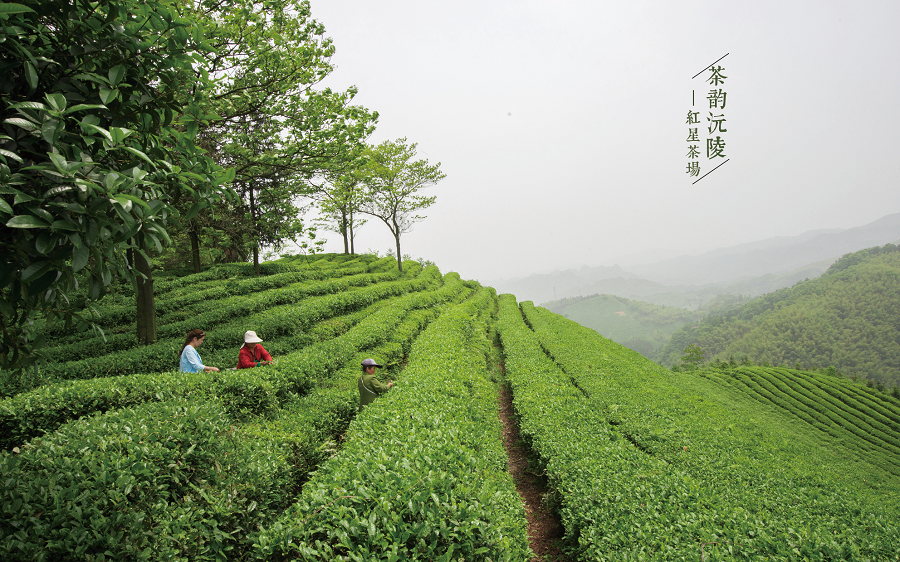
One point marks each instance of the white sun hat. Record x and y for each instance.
(251, 337)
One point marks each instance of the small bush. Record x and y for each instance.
(162, 481)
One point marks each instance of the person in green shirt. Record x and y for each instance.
(369, 386)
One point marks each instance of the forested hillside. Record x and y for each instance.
(116, 455)
(848, 318)
(637, 325)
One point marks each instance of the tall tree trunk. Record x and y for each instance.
(146, 306)
(352, 249)
(195, 247)
(344, 231)
(255, 237)
(399, 260)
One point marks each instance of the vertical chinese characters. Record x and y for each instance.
(713, 136)
(715, 147)
(693, 118)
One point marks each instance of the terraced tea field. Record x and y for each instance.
(120, 457)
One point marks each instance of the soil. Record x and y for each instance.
(544, 527)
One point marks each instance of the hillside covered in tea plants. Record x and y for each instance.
(848, 318)
(109, 453)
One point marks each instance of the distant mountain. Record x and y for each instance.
(773, 255)
(849, 318)
(647, 326)
(689, 281)
(543, 287)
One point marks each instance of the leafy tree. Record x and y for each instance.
(393, 180)
(274, 127)
(96, 142)
(692, 358)
(339, 203)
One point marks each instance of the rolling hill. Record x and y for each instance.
(848, 318)
(115, 455)
(637, 325)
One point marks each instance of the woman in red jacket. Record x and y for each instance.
(252, 353)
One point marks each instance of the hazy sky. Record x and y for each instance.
(562, 128)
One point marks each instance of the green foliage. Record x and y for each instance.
(730, 462)
(423, 475)
(644, 466)
(692, 358)
(235, 305)
(846, 318)
(156, 482)
(91, 152)
(339, 201)
(637, 325)
(244, 393)
(274, 124)
(393, 182)
(31, 414)
(293, 317)
(863, 421)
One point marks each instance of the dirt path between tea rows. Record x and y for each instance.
(544, 527)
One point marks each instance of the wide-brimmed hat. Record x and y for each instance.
(370, 363)
(251, 337)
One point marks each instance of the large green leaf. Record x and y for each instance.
(51, 130)
(22, 197)
(45, 243)
(12, 155)
(95, 128)
(31, 75)
(42, 283)
(57, 101)
(84, 107)
(24, 123)
(116, 74)
(58, 159)
(54, 191)
(123, 197)
(35, 270)
(192, 212)
(28, 105)
(26, 221)
(10, 8)
(63, 225)
(108, 94)
(80, 257)
(119, 134)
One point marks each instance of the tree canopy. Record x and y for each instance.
(99, 104)
(275, 128)
(128, 122)
(394, 180)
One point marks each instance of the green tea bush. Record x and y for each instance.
(866, 428)
(31, 414)
(43, 410)
(163, 481)
(230, 308)
(423, 474)
(112, 315)
(310, 426)
(693, 472)
(163, 355)
(182, 302)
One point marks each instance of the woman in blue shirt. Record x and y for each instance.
(189, 359)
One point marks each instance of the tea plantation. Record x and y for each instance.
(117, 456)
